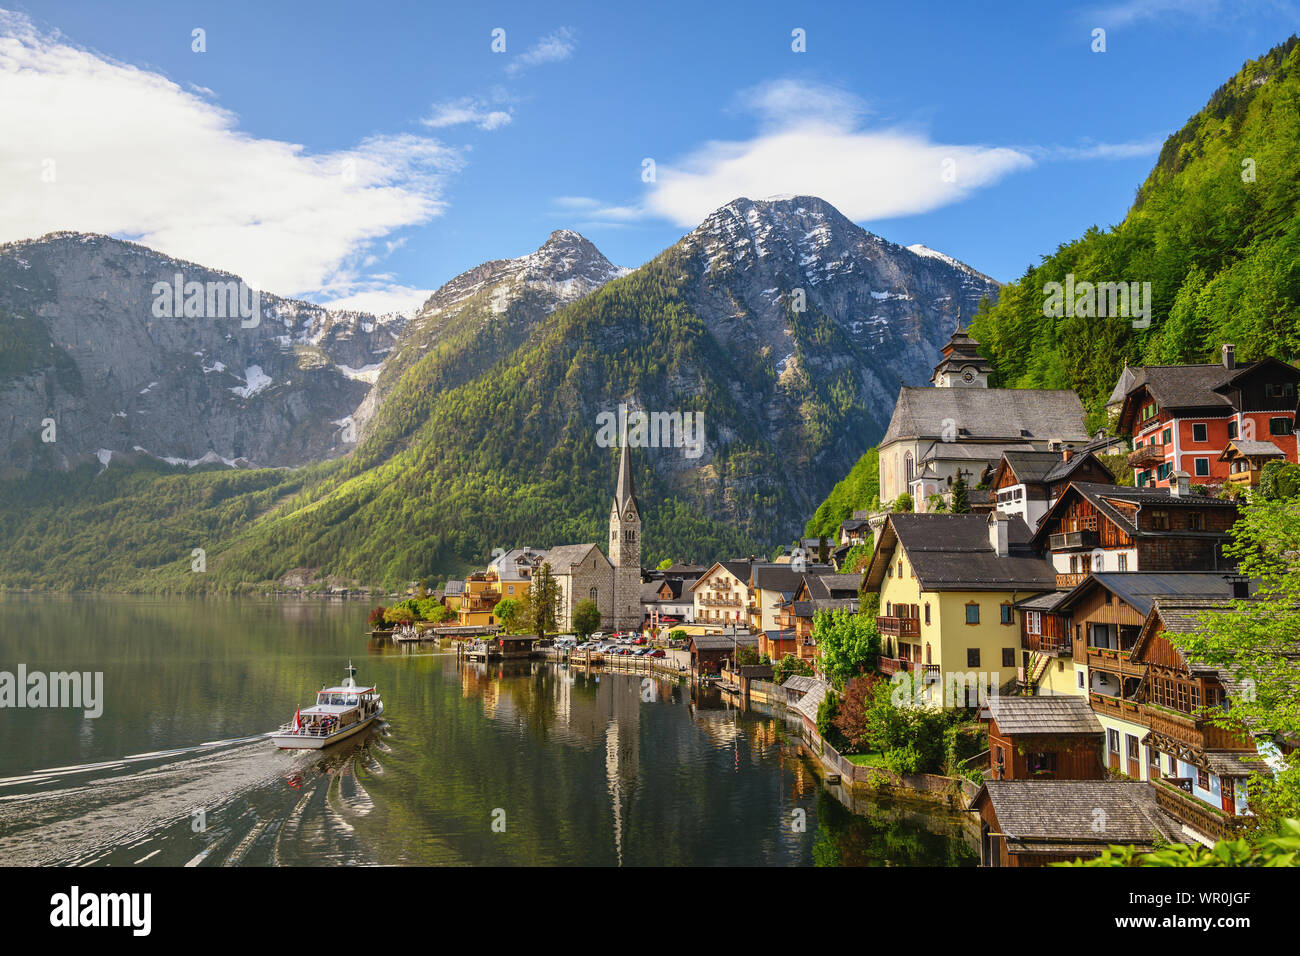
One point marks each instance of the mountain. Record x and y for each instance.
(1215, 230)
(82, 343)
(488, 311)
(784, 324)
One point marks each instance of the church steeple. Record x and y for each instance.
(624, 494)
(962, 365)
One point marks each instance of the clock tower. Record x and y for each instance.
(625, 548)
(961, 366)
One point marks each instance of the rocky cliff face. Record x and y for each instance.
(840, 315)
(93, 343)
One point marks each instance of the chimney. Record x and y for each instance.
(1229, 356)
(1180, 487)
(999, 525)
(1067, 453)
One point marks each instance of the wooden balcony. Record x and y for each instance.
(1199, 815)
(1114, 661)
(899, 626)
(1072, 580)
(1073, 540)
(1129, 710)
(893, 665)
(1195, 732)
(1047, 643)
(720, 601)
(1147, 456)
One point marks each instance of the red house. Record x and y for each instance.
(1182, 417)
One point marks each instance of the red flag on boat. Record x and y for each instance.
(297, 718)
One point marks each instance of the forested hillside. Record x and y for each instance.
(1215, 229)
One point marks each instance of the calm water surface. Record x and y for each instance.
(581, 769)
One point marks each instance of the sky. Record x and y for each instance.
(361, 155)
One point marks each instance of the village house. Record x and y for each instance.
(1039, 822)
(1115, 528)
(1102, 619)
(960, 424)
(1027, 483)
(1246, 459)
(817, 591)
(667, 601)
(710, 653)
(721, 594)
(1182, 417)
(947, 586)
(1043, 738)
(1200, 769)
(855, 529)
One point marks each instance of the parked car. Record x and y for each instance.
(657, 652)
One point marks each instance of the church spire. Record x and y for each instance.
(624, 494)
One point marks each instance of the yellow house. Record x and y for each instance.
(480, 600)
(947, 586)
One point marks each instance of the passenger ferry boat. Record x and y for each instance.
(339, 712)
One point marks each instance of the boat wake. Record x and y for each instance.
(224, 802)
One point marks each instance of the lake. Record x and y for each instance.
(521, 764)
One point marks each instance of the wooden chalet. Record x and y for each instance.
(1246, 459)
(1203, 766)
(711, 652)
(1115, 528)
(1039, 822)
(1043, 738)
(1027, 483)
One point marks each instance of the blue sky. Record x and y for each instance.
(367, 153)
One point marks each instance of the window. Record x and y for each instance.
(1112, 740)
(1132, 743)
(1200, 433)
(592, 594)
(972, 657)
(1008, 657)
(1160, 520)
(1164, 471)
(927, 612)
(1202, 778)
(1123, 562)
(1042, 763)
(1078, 678)
(900, 570)
(1173, 766)
(1232, 429)
(510, 589)
(972, 613)
(1196, 521)
(1167, 436)
(1202, 466)
(1144, 478)
(1279, 426)
(1034, 622)
(1153, 759)
(1008, 614)
(1279, 389)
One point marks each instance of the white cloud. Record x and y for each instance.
(1134, 150)
(379, 299)
(551, 48)
(136, 155)
(811, 143)
(467, 109)
(1205, 12)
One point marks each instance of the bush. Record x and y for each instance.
(376, 619)
(902, 760)
(903, 504)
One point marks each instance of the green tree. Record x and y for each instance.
(1255, 642)
(790, 666)
(746, 655)
(848, 643)
(903, 504)
(1280, 848)
(541, 608)
(960, 496)
(506, 611)
(665, 564)
(586, 618)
